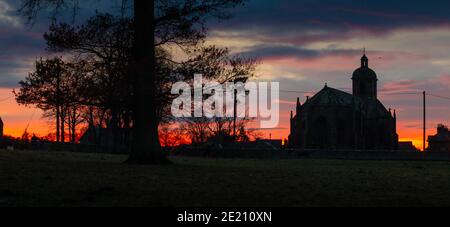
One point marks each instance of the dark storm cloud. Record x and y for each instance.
(264, 51)
(21, 43)
(376, 17)
(18, 42)
(289, 22)
(274, 52)
(285, 28)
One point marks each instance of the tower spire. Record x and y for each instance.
(299, 105)
(364, 60)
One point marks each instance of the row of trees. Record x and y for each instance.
(91, 82)
(90, 85)
(127, 64)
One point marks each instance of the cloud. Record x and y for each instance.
(375, 16)
(266, 51)
(18, 50)
(20, 45)
(288, 51)
(303, 23)
(439, 84)
(6, 15)
(445, 80)
(402, 85)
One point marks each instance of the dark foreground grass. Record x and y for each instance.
(66, 179)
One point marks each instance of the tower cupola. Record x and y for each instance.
(365, 80)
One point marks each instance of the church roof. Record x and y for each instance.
(373, 108)
(332, 97)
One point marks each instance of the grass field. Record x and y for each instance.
(66, 179)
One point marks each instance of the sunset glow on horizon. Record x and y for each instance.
(301, 44)
(16, 118)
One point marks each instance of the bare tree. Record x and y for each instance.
(106, 43)
(156, 23)
(217, 64)
(56, 87)
(171, 137)
(43, 88)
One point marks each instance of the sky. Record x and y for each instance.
(305, 44)
(302, 44)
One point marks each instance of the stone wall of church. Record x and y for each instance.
(324, 127)
(341, 128)
(379, 134)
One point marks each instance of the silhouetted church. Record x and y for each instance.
(333, 119)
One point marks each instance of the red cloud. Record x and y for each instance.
(444, 79)
(402, 85)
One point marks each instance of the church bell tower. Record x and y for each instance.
(365, 80)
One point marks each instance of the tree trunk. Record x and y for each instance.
(69, 126)
(145, 147)
(57, 124)
(74, 125)
(63, 117)
(114, 127)
(58, 105)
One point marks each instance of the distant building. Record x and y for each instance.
(406, 146)
(105, 137)
(278, 144)
(441, 141)
(334, 119)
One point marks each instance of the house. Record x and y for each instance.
(277, 144)
(106, 137)
(407, 146)
(441, 141)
